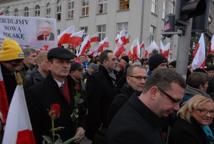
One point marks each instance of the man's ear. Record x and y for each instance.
(153, 92)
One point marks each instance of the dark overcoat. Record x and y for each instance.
(39, 100)
(100, 90)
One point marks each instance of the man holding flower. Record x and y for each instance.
(51, 103)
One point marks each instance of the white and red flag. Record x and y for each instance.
(122, 38)
(135, 48)
(18, 129)
(119, 50)
(76, 38)
(94, 38)
(144, 52)
(103, 44)
(63, 38)
(164, 49)
(3, 99)
(153, 46)
(211, 47)
(199, 58)
(84, 46)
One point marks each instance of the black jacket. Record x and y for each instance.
(120, 99)
(134, 124)
(184, 132)
(40, 97)
(100, 92)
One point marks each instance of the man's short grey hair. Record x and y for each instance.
(163, 79)
(131, 68)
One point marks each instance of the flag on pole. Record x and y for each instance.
(84, 46)
(152, 46)
(94, 38)
(103, 44)
(76, 38)
(199, 58)
(18, 129)
(3, 99)
(119, 50)
(135, 48)
(164, 49)
(63, 38)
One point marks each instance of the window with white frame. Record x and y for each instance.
(152, 32)
(58, 11)
(85, 7)
(101, 30)
(48, 10)
(7, 12)
(16, 12)
(26, 11)
(123, 5)
(37, 10)
(154, 6)
(70, 9)
(122, 26)
(164, 9)
(102, 6)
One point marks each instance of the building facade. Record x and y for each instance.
(144, 19)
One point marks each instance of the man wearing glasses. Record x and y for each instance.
(136, 77)
(138, 121)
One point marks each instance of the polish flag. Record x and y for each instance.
(195, 49)
(144, 52)
(84, 46)
(199, 58)
(76, 38)
(124, 36)
(103, 44)
(211, 47)
(94, 38)
(164, 49)
(18, 129)
(63, 38)
(119, 50)
(3, 99)
(135, 48)
(152, 46)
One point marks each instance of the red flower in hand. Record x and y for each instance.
(55, 111)
(77, 87)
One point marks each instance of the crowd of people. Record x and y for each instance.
(109, 99)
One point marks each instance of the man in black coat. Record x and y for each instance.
(138, 121)
(101, 89)
(49, 92)
(136, 77)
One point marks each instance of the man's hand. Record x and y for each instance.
(80, 133)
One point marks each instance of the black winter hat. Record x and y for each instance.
(76, 66)
(125, 58)
(60, 53)
(155, 61)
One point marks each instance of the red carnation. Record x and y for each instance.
(77, 87)
(55, 111)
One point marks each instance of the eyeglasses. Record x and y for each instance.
(205, 111)
(174, 100)
(140, 77)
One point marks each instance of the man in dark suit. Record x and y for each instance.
(42, 96)
(138, 121)
(101, 89)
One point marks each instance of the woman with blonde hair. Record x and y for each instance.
(192, 126)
